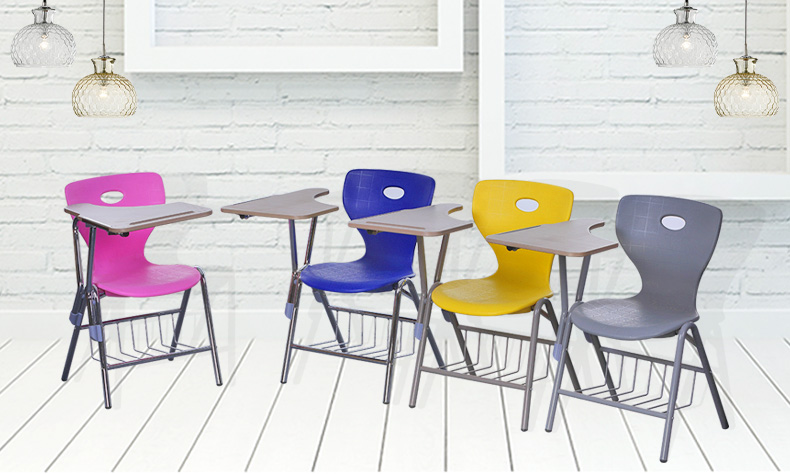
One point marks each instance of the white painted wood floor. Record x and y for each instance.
(170, 416)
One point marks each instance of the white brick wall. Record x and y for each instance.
(584, 92)
(223, 138)
(283, 22)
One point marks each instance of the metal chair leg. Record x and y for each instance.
(714, 390)
(451, 317)
(320, 295)
(533, 350)
(78, 309)
(437, 353)
(425, 320)
(604, 367)
(179, 322)
(94, 315)
(412, 294)
(210, 328)
(552, 317)
(555, 394)
(70, 355)
(673, 391)
(294, 312)
(390, 374)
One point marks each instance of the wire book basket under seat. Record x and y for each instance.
(495, 358)
(144, 338)
(365, 335)
(638, 383)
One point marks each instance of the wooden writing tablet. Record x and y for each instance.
(125, 219)
(570, 238)
(429, 221)
(292, 206)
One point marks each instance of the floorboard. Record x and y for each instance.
(600, 435)
(110, 432)
(418, 431)
(742, 446)
(229, 437)
(293, 434)
(175, 422)
(355, 427)
(330, 415)
(477, 437)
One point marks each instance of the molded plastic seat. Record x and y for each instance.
(670, 263)
(120, 266)
(490, 296)
(148, 280)
(670, 242)
(388, 257)
(353, 277)
(629, 319)
(522, 277)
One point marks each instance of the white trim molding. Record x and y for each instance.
(600, 185)
(142, 55)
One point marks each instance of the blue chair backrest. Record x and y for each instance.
(364, 196)
(670, 240)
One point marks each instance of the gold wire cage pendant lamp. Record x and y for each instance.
(104, 93)
(746, 93)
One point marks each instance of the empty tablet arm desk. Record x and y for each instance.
(564, 239)
(298, 205)
(294, 206)
(146, 337)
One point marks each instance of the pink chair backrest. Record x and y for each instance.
(113, 252)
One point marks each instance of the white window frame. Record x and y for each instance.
(604, 185)
(142, 55)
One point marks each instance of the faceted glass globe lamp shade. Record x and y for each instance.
(104, 93)
(685, 44)
(43, 43)
(746, 93)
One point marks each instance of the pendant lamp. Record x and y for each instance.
(43, 43)
(746, 93)
(685, 44)
(104, 93)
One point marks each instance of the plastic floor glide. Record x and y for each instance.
(116, 235)
(670, 241)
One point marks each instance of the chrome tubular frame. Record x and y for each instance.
(362, 338)
(88, 298)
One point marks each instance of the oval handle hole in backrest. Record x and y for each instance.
(112, 197)
(394, 192)
(527, 205)
(673, 222)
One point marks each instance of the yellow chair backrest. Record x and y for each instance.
(494, 210)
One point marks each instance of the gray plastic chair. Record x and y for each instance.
(670, 241)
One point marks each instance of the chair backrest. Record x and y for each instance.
(370, 192)
(505, 205)
(113, 252)
(670, 241)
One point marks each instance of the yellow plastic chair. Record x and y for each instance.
(519, 285)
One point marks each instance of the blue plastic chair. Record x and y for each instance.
(386, 265)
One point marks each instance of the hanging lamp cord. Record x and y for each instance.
(745, 27)
(103, 21)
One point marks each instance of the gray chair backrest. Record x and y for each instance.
(670, 241)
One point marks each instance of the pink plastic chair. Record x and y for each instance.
(120, 269)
